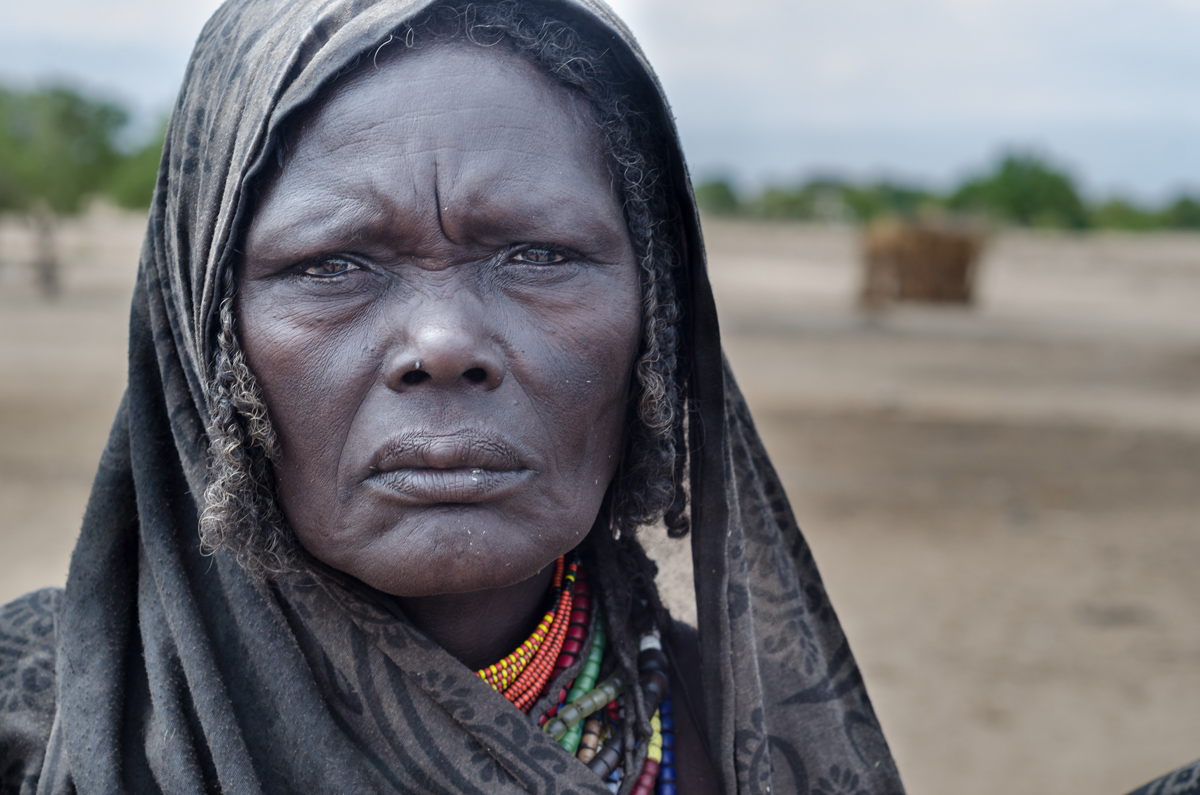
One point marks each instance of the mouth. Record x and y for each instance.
(446, 468)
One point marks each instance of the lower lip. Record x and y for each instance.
(442, 486)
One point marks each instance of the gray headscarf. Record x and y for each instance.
(159, 669)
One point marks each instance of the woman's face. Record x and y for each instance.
(440, 301)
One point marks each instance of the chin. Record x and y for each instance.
(448, 549)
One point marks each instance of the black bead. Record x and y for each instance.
(652, 660)
(606, 761)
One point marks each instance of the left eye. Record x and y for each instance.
(539, 256)
(334, 266)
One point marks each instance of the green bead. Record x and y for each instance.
(595, 700)
(591, 669)
(570, 715)
(575, 695)
(555, 728)
(570, 740)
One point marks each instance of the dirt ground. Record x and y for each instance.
(1004, 500)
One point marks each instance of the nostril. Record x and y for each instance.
(476, 375)
(414, 377)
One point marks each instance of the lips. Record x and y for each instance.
(432, 469)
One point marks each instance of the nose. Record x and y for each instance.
(444, 348)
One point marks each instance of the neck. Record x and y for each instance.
(481, 627)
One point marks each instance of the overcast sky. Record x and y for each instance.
(770, 90)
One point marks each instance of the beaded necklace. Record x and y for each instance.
(587, 718)
(523, 674)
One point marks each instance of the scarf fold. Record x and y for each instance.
(177, 672)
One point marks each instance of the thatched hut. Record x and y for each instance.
(919, 261)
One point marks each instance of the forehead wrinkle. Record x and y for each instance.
(491, 167)
(514, 178)
(495, 209)
(526, 188)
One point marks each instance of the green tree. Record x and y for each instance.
(1027, 190)
(57, 148)
(718, 197)
(1121, 214)
(131, 184)
(873, 200)
(793, 204)
(1183, 213)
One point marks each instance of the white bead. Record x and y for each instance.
(650, 641)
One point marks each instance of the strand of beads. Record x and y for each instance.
(589, 743)
(652, 670)
(591, 702)
(652, 676)
(666, 765)
(585, 682)
(573, 645)
(587, 719)
(533, 680)
(608, 759)
(577, 627)
(649, 775)
(501, 675)
(522, 676)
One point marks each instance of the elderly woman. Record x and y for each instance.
(421, 338)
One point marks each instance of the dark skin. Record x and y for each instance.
(440, 301)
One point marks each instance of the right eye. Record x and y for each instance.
(540, 256)
(332, 266)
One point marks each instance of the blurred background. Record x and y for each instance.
(956, 247)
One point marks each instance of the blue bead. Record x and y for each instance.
(667, 723)
(668, 757)
(666, 774)
(666, 788)
(668, 741)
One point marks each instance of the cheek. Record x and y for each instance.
(299, 358)
(581, 377)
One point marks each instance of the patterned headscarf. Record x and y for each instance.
(181, 673)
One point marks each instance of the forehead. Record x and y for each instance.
(454, 87)
(462, 125)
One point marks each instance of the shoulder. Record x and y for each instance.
(27, 684)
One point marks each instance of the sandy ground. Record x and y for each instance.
(1004, 501)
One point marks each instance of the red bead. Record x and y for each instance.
(577, 633)
(579, 616)
(572, 646)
